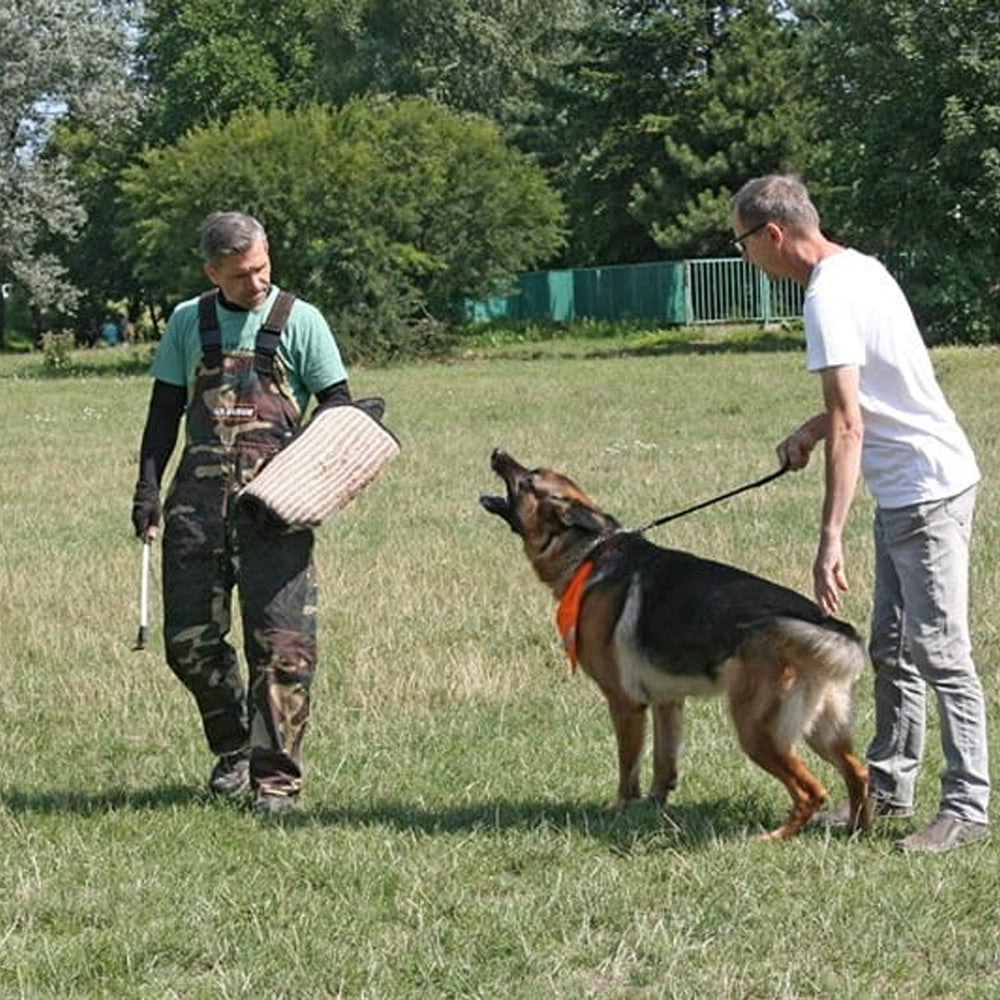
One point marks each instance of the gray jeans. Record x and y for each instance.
(920, 637)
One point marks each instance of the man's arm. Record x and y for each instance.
(795, 450)
(166, 407)
(337, 394)
(844, 431)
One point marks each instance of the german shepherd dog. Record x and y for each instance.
(653, 626)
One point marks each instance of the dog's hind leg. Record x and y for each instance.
(830, 737)
(769, 707)
(668, 732)
(629, 720)
(807, 792)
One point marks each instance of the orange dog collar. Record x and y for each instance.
(568, 610)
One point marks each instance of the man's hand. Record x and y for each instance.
(829, 576)
(795, 450)
(146, 510)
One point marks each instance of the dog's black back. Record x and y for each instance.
(695, 612)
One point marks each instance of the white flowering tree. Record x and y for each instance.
(59, 59)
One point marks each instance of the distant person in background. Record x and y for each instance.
(126, 332)
(110, 334)
(89, 335)
(885, 416)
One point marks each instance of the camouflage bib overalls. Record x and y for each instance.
(239, 415)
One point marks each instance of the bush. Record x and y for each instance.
(57, 349)
(953, 301)
(383, 214)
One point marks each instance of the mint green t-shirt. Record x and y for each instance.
(307, 350)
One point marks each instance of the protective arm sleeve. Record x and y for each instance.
(333, 395)
(338, 394)
(166, 407)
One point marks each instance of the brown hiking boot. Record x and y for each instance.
(943, 833)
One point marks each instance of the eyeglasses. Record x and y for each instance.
(738, 242)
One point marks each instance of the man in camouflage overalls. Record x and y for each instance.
(242, 362)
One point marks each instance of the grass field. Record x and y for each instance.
(452, 840)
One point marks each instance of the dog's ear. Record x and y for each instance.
(575, 514)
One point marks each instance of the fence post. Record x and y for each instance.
(764, 283)
(688, 302)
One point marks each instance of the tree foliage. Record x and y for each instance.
(200, 62)
(94, 159)
(385, 214)
(644, 114)
(472, 55)
(911, 103)
(67, 60)
(204, 61)
(666, 110)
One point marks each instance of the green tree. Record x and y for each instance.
(58, 62)
(669, 107)
(203, 60)
(385, 214)
(95, 159)
(200, 61)
(472, 55)
(911, 103)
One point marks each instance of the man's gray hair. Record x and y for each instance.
(780, 198)
(226, 233)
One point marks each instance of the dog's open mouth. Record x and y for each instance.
(503, 465)
(495, 504)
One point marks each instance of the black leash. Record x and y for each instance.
(707, 503)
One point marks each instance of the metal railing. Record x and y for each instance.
(727, 290)
(700, 291)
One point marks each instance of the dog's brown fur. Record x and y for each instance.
(657, 625)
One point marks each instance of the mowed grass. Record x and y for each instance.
(452, 840)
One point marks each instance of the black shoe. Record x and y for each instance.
(943, 833)
(273, 805)
(231, 774)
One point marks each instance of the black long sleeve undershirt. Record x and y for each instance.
(336, 394)
(166, 407)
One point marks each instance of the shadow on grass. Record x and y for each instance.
(642, 828)
(761, 344)
(636, 828)
(80, 802)
(602, 349)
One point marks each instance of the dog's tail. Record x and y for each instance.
(833, 647)
(815, 664)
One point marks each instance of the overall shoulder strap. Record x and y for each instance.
(270, 333)
(208, 329)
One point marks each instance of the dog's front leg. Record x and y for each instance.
(629, 720)
(668, 733)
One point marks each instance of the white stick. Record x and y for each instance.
(140, 642)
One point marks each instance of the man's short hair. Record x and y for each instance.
(226, 233)
(780, 198)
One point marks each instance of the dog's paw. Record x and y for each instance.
(659, 794)
(622, 803)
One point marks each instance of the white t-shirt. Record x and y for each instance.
(914, 449)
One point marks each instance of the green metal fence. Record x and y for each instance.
(722, 290)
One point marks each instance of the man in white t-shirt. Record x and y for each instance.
(886, 418)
